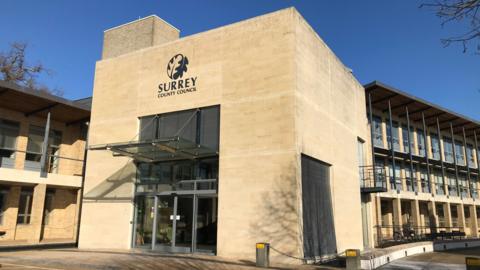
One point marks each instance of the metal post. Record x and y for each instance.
(174, 221)
(410, 150)
(44, 158)
(441, 154)
(372, 132)
(198, 124)
(194, 222)
(82, 186)
(476, 152)
(477, 156)
(429, 181)
(156, 125)
(466, 162)
(392, 152)
(455, 160)
(155, 218)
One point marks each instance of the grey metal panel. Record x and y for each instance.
(7, 162)
(148, 126)
(318, 227)
(32, 166)
(210, 126)
(44, 158)
(374, 84)
(49, 97)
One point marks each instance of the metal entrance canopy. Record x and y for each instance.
(163, 149)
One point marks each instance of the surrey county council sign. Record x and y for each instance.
(176, 67)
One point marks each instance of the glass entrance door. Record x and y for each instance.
(164, 222)
(184, 224)
(174, 223)
(177, 223)
(206, 224)
(145, 213)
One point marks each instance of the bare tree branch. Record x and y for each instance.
(459, 10)
(14, 68)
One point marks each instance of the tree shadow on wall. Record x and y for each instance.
(278, 222)
(118, 187)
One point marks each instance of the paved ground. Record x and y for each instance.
(451, 260)
(74, 259)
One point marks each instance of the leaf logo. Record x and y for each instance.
(177, 66)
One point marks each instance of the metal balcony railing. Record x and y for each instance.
(390, 235)
(372, 179)
(31, 162)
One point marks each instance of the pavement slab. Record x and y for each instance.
(453, 259)
(74, 259)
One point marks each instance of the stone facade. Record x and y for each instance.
(281, 91)
(64, 183)
(416, 203)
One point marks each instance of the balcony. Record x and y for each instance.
(31, 161)
(372, 179)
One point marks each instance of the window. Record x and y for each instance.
(474, 184)
(424, 180)
(441, 215)
(470, 156)
(435, 146)
(454, 214)
(3, 202)
(411, 181)
(25, 206)
(394, 179)
(421, 142)
(48, 208)
(385, 209)
(380, 172)
(9, 131)
(198, 126)
(393, 132)
(452, 184)
(377, 131)
(405, 138)
(448, 149)
(83, 131)
(34, 149)
(462, 183)
(439, 182)
(466, 214)
(35, 141)
(167, 176)
(460, 156)
(54, 141)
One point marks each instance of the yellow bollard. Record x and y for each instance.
(263, 252)
(353, 259)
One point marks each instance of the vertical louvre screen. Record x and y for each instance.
(318, 227)
(209, 129)
(183, 124)
(198, 125)
(148, 128)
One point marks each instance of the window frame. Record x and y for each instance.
(24, 215)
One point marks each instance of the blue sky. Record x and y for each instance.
(391, 41)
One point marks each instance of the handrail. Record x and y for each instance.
(39, 153)
(388, 235)
(372, 177)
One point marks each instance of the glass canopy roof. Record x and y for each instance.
(163, 149)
